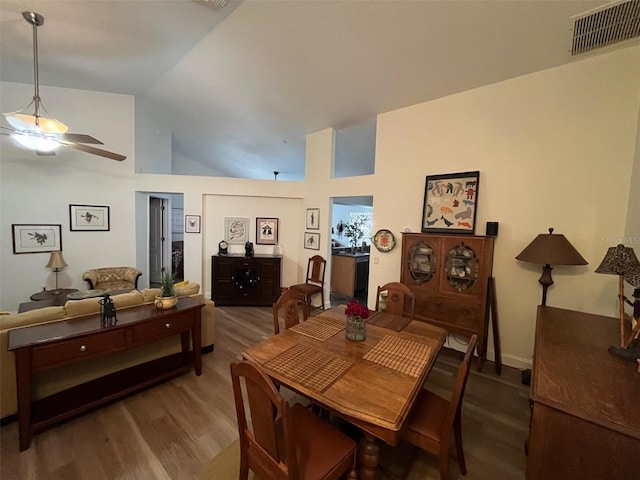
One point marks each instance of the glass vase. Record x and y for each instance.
(356, 329)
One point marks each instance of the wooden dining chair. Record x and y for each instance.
(285, 442)
(397, 293)
(314, 282)
(291, 307)
(433, 418)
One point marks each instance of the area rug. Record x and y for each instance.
(226, 466)
(395, 464)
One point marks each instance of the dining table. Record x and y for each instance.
(371, 384)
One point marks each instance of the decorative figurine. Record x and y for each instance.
(632, 350)
(248, 249)
(108, 316)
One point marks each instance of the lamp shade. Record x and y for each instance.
(621, 260)
(56, 261)
(551, 249)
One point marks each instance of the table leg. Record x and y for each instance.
(368, 457)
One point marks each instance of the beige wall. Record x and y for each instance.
(555, 148)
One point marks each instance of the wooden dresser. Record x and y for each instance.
(585, 423)
(240, 280)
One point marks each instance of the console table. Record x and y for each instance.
(45, 347)
(585, 422)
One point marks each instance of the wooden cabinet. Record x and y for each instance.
(240, 280)
(585, 423)
(449, 275)
(349, 273)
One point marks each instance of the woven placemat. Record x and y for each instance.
(392, 322)
(400, 354)
(319, 328)
(309, 367)
(334, 314)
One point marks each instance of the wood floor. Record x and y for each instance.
(169, 432)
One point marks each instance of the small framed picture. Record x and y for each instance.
(450, 203)
(192, 223)
(30, 238)
(313, 219)
(89, 218)
(236, 230)
(312, 241)
(266, 231)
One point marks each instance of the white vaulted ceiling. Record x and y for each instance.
(241, 86)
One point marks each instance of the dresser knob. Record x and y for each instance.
(168, 325)
(83, 348)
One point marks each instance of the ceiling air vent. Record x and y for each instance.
(609, 24)
(217, 4)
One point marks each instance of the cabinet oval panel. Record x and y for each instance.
(422, 262)
(71, 350)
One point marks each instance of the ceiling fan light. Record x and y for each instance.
(27, 123)
(35, 142)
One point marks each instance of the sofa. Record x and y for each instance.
(112, 278)
(63, 378)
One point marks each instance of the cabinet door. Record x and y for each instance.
(463, 266)
(221, 279)
(421, 260)
(269, 285)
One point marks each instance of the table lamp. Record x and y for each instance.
(550, 249)
(621, 261)
(57, 263)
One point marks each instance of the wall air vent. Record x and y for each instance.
(217, 4)
(606, 25)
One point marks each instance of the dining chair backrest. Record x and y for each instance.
(315, 270)
(291, 308)
(280, 441)
(263, 447)
(433, 419)
(398, 294)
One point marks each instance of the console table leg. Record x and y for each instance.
(23, 380)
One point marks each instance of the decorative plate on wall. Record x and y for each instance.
(384, 240)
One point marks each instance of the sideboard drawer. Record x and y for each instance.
(74, 350)
(159, 328)
(465, 314)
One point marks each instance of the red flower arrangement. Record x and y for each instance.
(355, 309)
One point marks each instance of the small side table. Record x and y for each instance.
(59, 295)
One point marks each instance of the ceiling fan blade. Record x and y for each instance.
(79, 138)
(93, 150)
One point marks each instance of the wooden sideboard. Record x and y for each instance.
(240, 280)
(449, 275)
(585, 423)
(41, 348)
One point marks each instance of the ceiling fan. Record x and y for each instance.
(42, 134)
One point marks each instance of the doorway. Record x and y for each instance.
(157, 239)
(349, 255)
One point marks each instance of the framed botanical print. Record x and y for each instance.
(450, 203)
(313, 219)
(266, 231)
(311, 241)
(236, 230)
(192, 223)
(89, 218)
(30, 238)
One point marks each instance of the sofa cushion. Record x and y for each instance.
(87, 306)
(31, 317)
